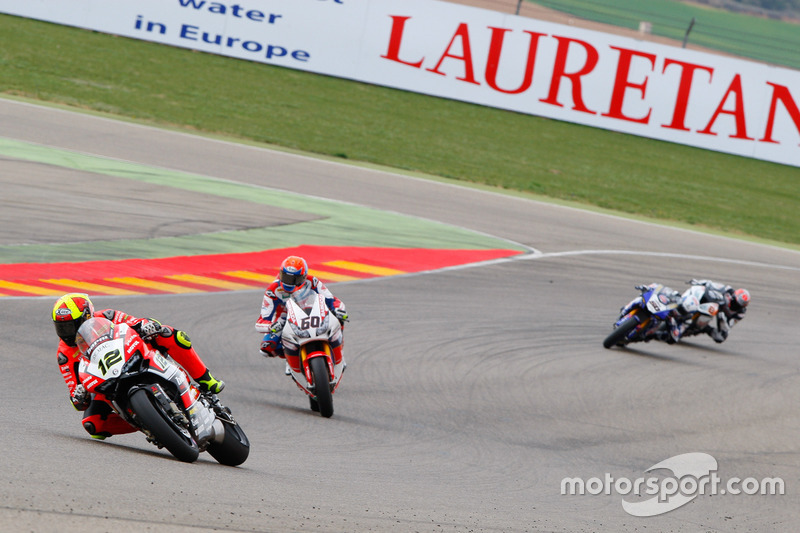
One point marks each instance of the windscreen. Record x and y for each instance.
(90, 331)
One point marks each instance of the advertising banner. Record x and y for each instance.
(479, 56)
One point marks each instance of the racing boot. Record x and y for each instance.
(209, 383)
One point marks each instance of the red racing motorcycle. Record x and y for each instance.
(152, 393)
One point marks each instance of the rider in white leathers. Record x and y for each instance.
(732, 307)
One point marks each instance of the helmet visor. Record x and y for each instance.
(290, 281)
(66, 330)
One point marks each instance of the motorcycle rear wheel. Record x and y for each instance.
(165, 431)
(620, 332)
(322, 388)
(234, 448)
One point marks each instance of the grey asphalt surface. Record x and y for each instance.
(470, 394)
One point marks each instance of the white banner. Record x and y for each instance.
(479, 56)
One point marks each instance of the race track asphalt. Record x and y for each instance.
(470, 393)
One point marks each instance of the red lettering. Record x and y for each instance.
(575, 77)
(469, 74)
(738, 112)
(621, 84)
(684, 88)
(779, 92)
(493, 61)
(395, 39)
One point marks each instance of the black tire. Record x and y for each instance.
(620, 332)
(165, 431)
(322, 388)
(234, 448)
(313, 404)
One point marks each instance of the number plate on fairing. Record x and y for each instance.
(107, 359)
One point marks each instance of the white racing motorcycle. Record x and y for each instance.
(705, 313)
(309, 334)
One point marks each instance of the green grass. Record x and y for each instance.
(169, 86)
(762, 39)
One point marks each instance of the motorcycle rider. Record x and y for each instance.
(72, 310)
(292, 278)
(732, 307)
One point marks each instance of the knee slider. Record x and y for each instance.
(91, 430)
(89, 427)
(181, 338)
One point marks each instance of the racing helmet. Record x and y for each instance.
(69, 312)
(741, 297)
(293, 273)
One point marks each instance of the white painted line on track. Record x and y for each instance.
(536, 255)
(660, 254)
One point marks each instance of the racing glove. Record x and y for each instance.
(342, 315)
(276, 328)
(149, 328)
(80, 398)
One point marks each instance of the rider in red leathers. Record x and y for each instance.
(72, 310)
(292, 277)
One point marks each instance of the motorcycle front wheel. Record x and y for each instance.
(322, 388)
(620, 332)
(165, 431)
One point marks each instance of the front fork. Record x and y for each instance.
(333, 359)
(643, 322)
(305, 357)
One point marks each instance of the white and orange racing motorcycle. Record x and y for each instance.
(312, 337)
